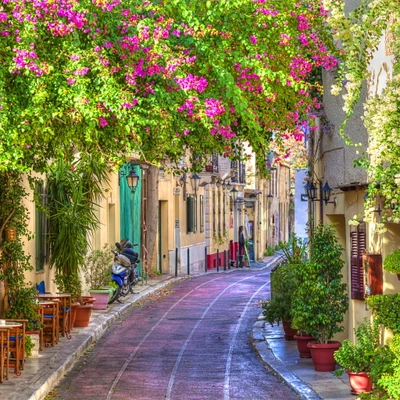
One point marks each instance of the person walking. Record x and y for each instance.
(241, 246)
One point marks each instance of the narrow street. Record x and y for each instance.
(192, 343)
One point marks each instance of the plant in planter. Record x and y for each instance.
(97, 270)
(391, 263)
(355, 358)
(320, 300)
(278, 308)
(73, 190)
(384, 308)
(283, 285)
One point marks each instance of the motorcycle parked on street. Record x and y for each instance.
(124, 271)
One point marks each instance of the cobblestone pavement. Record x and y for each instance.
(190, 342)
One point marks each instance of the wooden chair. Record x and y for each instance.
(50, 319)
(4, 352)
(16, 353)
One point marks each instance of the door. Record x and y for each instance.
(163, 259)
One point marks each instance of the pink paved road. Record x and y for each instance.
(192, 344)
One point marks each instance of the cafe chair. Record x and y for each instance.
(50, 320)
(4, 352)
(16, 348)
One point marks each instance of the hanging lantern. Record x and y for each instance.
(10, 234)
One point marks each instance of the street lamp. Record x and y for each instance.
(325, 191)
(133, 179)
(234, 194)
(195, 182)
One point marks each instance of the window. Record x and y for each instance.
(191, 208)
(201, 213)
(358, 245)
(41, 225)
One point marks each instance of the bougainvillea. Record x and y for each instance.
(360, 32)
(155, 78)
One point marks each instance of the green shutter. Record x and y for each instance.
(190, 214)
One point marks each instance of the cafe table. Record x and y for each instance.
(65, 309)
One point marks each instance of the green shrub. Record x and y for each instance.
(357, 357)
(269, 252)
(29, 345)
(385, 309)
(391, 263)
(283, 285)
(320, 300)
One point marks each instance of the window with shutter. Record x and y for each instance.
(358, 245)
(41, 225)
(190, 214)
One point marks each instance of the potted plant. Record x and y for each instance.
(97, 270)
(277, 309)
(391, 263)
(24, 306)
(283, 285)
(320, 300)
(355, 358)
(73, 187)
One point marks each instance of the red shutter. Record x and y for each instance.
(373, 267)
(358, 245)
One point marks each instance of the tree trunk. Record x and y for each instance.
(152, 216)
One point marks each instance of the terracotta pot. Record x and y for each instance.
(360, 382)
(102, 297)
(322, 355)
(302, 345)
(89, 299)
(74, 306)
(289, 331)
(83, 313)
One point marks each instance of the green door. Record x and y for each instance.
(130, 219)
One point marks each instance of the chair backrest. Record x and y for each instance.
(41, 287)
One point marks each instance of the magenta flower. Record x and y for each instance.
(71, 81)
(253, 39)
(103, 122)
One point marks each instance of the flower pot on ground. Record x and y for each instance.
(283, 285)
(89, 299)
(360, 382)
(302, 341)
(320, 299)
(83, 313)
(356, 358)
(322, 355)
(101, 296)
(74, 306)
(290, 332)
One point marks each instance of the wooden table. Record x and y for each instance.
(65, 309)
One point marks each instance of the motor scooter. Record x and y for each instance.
(124, 271)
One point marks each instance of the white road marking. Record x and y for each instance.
(232, 345)
(129, 359)
(173, 374)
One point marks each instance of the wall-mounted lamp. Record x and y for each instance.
(132, 178)
(234, 194)
(195, 182)
(218, 184)
(181, 181)
(228, 186)
(326, 190)
(270, 198)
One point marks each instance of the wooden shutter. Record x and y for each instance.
(373, 268)
(358, 245)
(190, 214)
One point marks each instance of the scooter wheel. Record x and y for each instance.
(115, 295)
